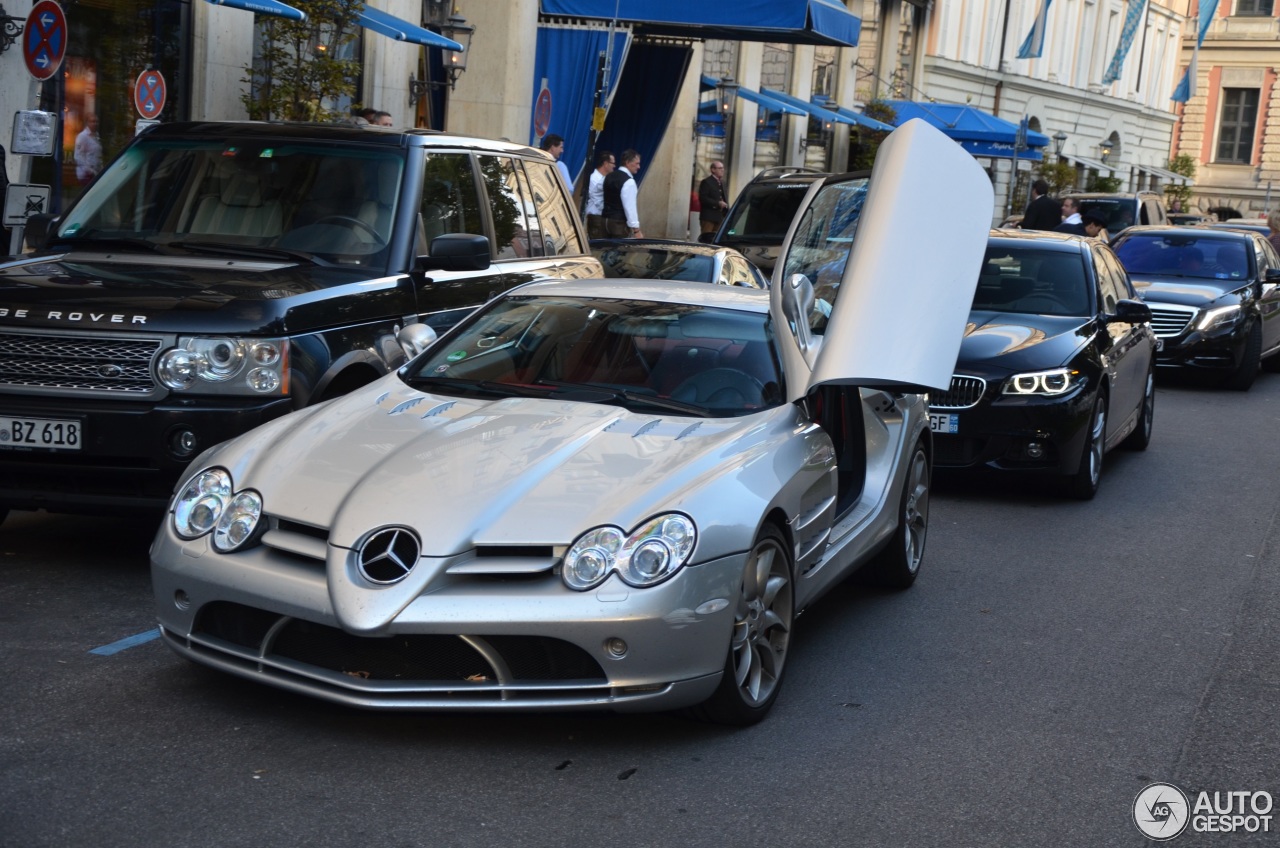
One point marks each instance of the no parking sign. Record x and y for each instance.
(149, 94)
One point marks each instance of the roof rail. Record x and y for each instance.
(784, 170)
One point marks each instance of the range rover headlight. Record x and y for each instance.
(1220, 319)
(201, 503)
(1053, 382)
(651, 553)
(226, 366)
(239, 522)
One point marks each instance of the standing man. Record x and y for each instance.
(1071, 221)
(1043, 212)
(621, 218)
(605, 164)
(554, 145)
(712, 202)
(88, 150)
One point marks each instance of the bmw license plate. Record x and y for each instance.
(943, 423)
(49, 433)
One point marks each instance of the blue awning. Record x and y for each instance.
(264, 7)
(759, 98)
(382, 23)
(853, 117)
(785, 21)
(826, 114)
(979, 132)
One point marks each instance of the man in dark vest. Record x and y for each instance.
(621, 219)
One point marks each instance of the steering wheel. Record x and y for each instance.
(355, 222)
(721, 388)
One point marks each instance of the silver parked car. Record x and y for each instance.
(586, 496)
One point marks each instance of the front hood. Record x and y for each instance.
(1016, 342)
(1183, 290)
(464, 472)
(139, 291)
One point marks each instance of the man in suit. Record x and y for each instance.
(712, 202)
(1043, 212)
(622, 220)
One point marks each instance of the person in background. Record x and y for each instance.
(88, 150)
(1273, 225)
(594, 209)
(1094, 227)
(711, 202)
(554, 145)
(621, 218)
(381, 119)
(1071, 221)
(1043, 212)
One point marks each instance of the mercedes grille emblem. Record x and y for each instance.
(389, 555)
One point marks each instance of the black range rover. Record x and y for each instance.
(219, 275)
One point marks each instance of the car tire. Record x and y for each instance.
(1242, 378)
(897, 565)
(1141, 436)
(1083, 484)
(761, 636)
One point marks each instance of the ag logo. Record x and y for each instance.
(1161, 811)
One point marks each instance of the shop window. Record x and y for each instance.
(1237, 125)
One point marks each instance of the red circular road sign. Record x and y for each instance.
(542, 113)
(44, 39)
(149, 93)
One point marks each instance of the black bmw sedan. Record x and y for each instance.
(1056, 367)
(1214, 297)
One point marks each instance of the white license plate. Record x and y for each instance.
(942, 423)
(1159, 345)
(50, 433)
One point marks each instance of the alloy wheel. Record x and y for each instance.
(762, 623)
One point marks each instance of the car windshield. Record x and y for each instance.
(1118, 213)
(642, 262)
(326, 202)
(649, 356)
(763, 212)
(1033, 282)
(1185, 256)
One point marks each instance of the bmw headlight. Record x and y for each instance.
(208, 503)
(1054, 382)
(1220, 319)
(226, 366)
(648, 555)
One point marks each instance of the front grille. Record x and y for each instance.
(1169, 321)
(423, 658)
(82, 363)
(961, 394)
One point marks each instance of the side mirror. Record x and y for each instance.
(456, 252)
(38, 229)
(415, 338)
(1272, 276)
(1131, 312)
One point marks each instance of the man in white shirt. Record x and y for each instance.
(621, 217)
(554, 145)
(594, 210)
(88, 150)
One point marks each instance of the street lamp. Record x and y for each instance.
(1105, 149)
(1059, 139)
(454, 27)
(726, 91)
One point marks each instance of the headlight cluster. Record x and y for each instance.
(1055, 382)
(1219, 319)
(653, 552)
(226, 366)
(208, 503)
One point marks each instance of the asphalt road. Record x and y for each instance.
(1053, 659)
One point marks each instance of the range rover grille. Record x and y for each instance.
(81, 363)
(962, 393)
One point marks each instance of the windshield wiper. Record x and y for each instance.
(616, 393)
(108, 242)
(223, 249)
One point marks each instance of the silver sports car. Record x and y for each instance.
(588, 496)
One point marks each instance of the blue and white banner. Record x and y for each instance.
(1187, 88)
(1033, 46)
(1132, 19)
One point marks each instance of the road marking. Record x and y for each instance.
(127, 642)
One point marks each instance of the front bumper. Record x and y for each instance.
(1194, 349)
(1017, 434)
(467, 642)
(127, 462)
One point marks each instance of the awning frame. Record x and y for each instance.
(1092, 164)
(1170, 176)
(274, 8)
(384, 23)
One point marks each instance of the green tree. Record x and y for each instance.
(1107, 185)
(865, 143)
(1179, 196)
(1058, 174)
(298, 67)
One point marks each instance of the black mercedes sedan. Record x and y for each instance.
(1214, 297)
(1057, 364)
